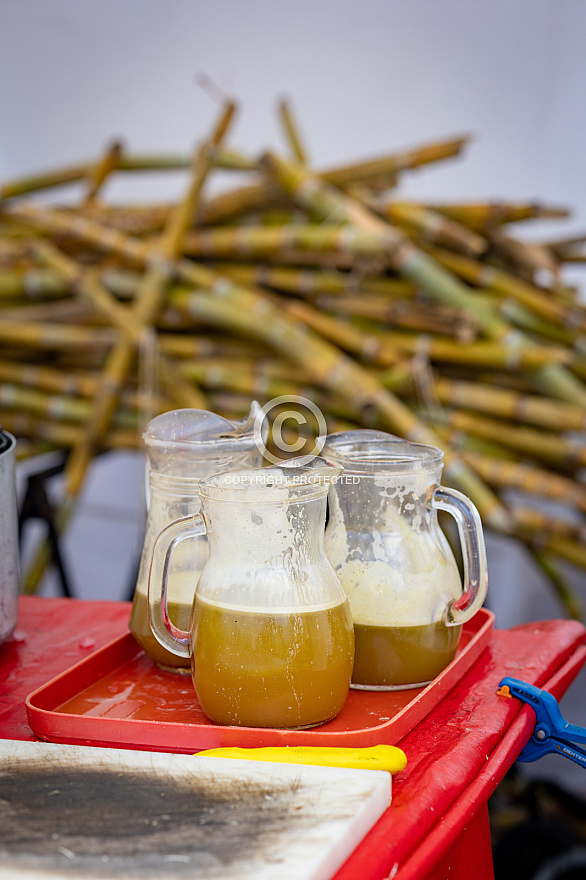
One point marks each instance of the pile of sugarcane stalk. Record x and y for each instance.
(431, 321)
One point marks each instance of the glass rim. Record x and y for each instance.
(368, 450)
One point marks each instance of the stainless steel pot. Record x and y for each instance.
(9, 584)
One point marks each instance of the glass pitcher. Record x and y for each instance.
(271, 641)
(183, 447)
(394, 562)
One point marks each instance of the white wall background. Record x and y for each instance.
(365, 78)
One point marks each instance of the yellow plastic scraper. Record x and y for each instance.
(380, 757)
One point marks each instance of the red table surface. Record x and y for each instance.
(456, 756)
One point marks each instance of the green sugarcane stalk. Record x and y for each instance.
(476, 354)
(62, 435)
(309, 283)
(98, 175)
(531, 258)
(291, 131)
(506, 404)
(407, 313)
(434, 226)
(86, 281)
(48, 379)
(56, 336)
(503, 282)
(58, 407)
(487, 215)
(30, 284)
(553, 448)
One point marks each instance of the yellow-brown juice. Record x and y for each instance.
(180, 615)
(271, 668)
(392, 656)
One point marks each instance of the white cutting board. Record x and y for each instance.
(73, 812)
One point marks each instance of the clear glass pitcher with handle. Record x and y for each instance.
(184, 446)
(271, 642)
(385, 544)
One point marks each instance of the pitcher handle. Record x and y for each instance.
(175, 640)
(460, 610)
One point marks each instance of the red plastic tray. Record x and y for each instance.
(118, 697)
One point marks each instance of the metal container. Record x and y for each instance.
(9, 585)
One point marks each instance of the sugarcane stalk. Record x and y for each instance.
(310, 283)
(503, 282)
(505, 404)
(136, 220)
(561, 246)
(76, 173)
(291, 131)
(390, 166)
(39, 182)
(493, 355)
(102, 169)
(466, 443)
(244, 381)
(47, 378)
(259, 241)
(526, 320)
(60, 407)
(31, 284)
(260, 370)
(55, 336)
(409, 314)
(61, 435)
(434, 226)
(192, 347)
(85, 281)
(543, 524)
(555, 449)
(367, 347)
(486, 215)
(530, 257)
(62, 311)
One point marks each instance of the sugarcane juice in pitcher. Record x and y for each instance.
(271, 641)
(252, 667)
(184, 446)
(385, 543)
(184, 571)
(179, 606)
(396, 642)
(398, 589)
